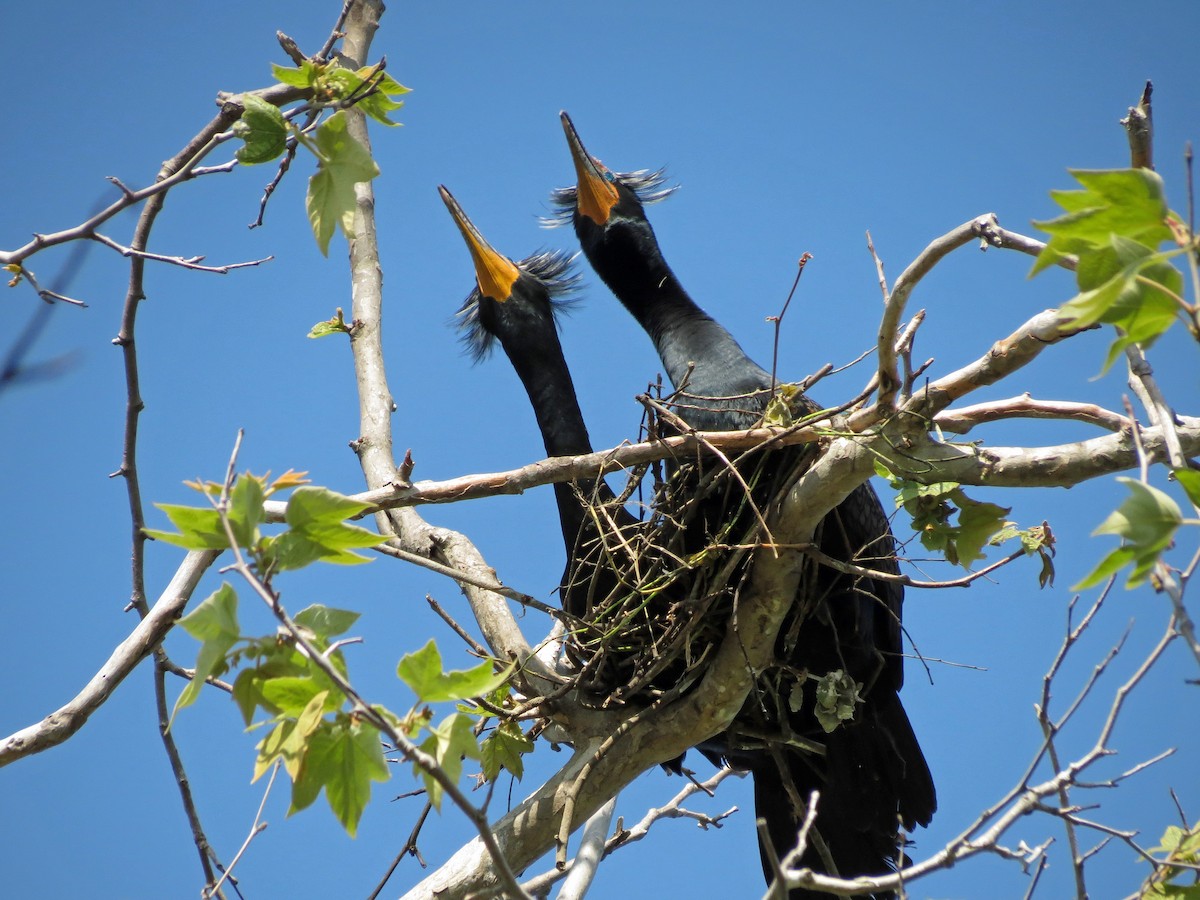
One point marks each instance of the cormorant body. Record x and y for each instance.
(872, 775)
(515, 304)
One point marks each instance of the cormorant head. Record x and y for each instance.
(602, 198)
(510, 301)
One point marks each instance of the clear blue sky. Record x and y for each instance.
(792, 129)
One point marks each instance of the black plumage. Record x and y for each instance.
(870, 771)
(515, 304)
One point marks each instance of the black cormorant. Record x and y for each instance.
(871, 774)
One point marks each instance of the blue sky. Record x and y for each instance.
(793, 129)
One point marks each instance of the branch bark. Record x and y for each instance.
(68, 719)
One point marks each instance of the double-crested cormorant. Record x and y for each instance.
(515, 303)
(872, 776)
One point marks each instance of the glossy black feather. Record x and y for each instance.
(553, 270)
(872, 774)
(526, 326)
(650, 186)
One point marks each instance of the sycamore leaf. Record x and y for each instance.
(383, 101)
(303, 77)
(342, 163)
(422, 671)
(502, 749)
(291, 695)
(837, 696)
(199, 529)
(1146, 522)
(977, 523)
(1189, 480)
(335, 325)
(1138, 297)
(347, 83)
(318, 532)
(263, 128)
(269, 747)
(314, 505)
(1147, 519)
(214, 623)
(1128, 202)
(325, 621)
(344, 758)
(246, 510)
(448, 743)
(310, 777)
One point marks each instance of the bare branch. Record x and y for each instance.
(1139, 128)
(963, 419)
(178, 169)
(65, 721)
(192, 262)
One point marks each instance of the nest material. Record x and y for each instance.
(678, 575)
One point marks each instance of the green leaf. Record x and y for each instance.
(325, 621)
(246, 510)
(318, 532)
(422, 671)
(978, 523)
(342, 163)
(303, 77)
(199, 528)
(1127, 202)
(315, 505)
(214, 623)
(837, 696)
(1135, 294)
(1146, 522)
(290, 695)
(1046, 573)
(310, 777)
(263, 128)
(344, 758)
(335, 325)
(1189, 479)
(247, 694)
(448, 743)
(1114, 562)
(1147, 519)
(270, 747)
(502, 749)
(383, 101)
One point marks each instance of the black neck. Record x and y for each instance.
(695, 350)
(539, 363)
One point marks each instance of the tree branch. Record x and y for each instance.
(65, 721)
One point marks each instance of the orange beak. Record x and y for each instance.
(496, 274)
(596, 194)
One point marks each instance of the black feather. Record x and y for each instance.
(554, 269)
(650, 186)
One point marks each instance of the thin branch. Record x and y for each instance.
(963, 419)
(851, 569)
(672, 809)
(256, 829)
(199, 838)
(777, 321)
(589, 853)
(462, 577)
(65, 721)
(180, 168)
(1139, 128)
(477, 648)
(410, 847)
(1060, 465)
(192, 262)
